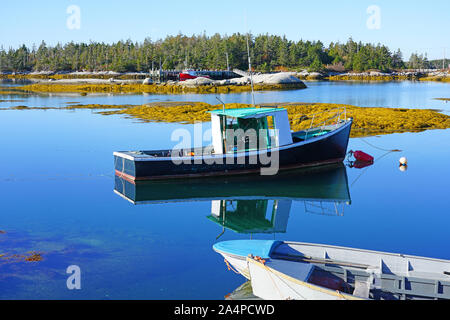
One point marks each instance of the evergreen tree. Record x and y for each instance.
(269, 53)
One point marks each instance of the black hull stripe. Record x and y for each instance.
(132, 179)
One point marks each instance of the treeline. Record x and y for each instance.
(269, 53)
(438, 64)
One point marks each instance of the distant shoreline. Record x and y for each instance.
(137, 78)
(261, 82)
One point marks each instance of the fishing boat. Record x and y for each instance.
(300, 271)
(244, 141)
(191, 74)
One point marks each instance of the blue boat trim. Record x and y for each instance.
(243, 248)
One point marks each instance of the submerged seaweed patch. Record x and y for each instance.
(367, 121)
(32, 256)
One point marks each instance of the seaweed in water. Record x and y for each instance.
(28, 257)
(34, 257)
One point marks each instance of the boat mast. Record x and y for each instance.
(250, 70)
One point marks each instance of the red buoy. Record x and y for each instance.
(362, 156)
(361, 164)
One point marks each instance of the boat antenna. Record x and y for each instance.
(223, 104)
(250, 70)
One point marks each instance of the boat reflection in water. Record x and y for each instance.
(323, 191)
(251, 205)
(243, 292)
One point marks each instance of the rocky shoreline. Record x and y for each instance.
(428, 75)
(105, 77)
(263, 82)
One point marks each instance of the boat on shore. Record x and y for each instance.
(300, 271)
(192, 74)
(244, 141)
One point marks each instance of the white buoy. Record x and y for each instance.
(403, 161)
(403, 168)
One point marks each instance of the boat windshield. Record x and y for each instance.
(242, 138)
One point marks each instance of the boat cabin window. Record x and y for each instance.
(240, 130)
(243, 129)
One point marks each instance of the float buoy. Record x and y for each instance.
(403, 161)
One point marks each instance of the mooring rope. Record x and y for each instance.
(381, 149)
(57, 177)
(366, 169)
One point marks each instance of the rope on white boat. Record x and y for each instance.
(230, 268)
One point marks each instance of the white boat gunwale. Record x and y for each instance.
(399, 255)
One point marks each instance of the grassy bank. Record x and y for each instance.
(367, 121)
(155, 88)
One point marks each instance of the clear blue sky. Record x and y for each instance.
(422, 26)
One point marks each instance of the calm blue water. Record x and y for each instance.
(405, 94)
(57, 197)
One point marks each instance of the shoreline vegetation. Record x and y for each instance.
(138, 61)
(262, 82)
(139, 78)
(269, 53)
(367, 121)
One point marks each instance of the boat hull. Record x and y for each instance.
(329, 148)
(387, 276)
(269, 284)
